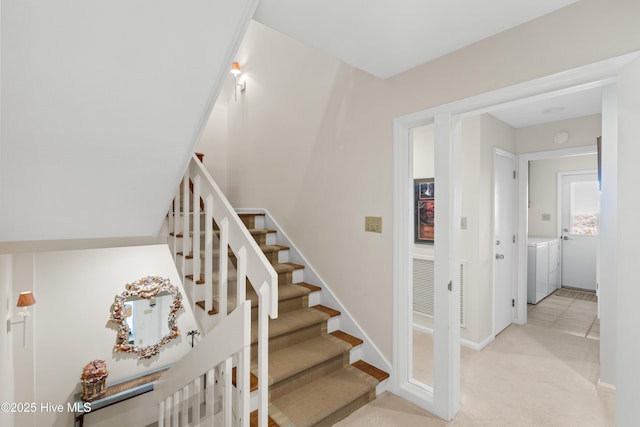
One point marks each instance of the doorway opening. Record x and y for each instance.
(447, 121)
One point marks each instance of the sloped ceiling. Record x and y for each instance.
(102, 105)
(387, 37)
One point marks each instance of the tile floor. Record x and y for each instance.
(568, 315)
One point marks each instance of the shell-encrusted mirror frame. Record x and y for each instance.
(147, 288)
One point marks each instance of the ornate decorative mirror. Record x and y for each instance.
(146, 316)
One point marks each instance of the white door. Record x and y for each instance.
(627, 292)
(443, 398)
(504, 238)
(580, 213)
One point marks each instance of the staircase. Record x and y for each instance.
(312, 382)
(311, 378)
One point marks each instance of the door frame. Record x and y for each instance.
(523, 216)
(560, 218)
(513, 157)
(443, 399)
(598, 74)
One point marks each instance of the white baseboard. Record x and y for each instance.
(606, 385)
(478, 346)
(469, 344)
(346, 322)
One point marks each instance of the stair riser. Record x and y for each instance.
(291, 277)
(193, 289)
(347, 410)
(253, 221)
(285, 340)
(285, 306)
(314, 372)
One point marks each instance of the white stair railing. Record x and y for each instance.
(198, 390)
(208, 250)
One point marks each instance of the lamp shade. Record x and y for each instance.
(235, 68)
(25, 299)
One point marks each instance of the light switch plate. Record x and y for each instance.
(373, 224)
(463, 223)
(546, 217)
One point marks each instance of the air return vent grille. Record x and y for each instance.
(423, 276)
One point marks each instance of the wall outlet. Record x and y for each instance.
(373, 224)
(546, 217)
(463, 223)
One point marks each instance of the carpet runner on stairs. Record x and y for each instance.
(311, 380)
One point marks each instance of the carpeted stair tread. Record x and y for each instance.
(299, 357)
(354, 341)
(285, 292)
(254, 420)
(330, 311)
(267, 249)
(324, 397)
(376, 373)
(291, 321)
(253, 380)
(202, 305)
(287, 267)
(312, 288)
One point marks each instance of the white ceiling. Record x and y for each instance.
(578, 104)
(387, 37)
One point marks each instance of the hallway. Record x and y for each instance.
(533, 375)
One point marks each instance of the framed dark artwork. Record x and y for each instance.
(424, 213)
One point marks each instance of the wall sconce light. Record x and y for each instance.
(235, 70)
(25, 299)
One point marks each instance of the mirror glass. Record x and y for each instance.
(421, 354)
(146, 316)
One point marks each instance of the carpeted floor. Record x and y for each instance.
(529, 376)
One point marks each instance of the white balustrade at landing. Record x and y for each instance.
(198, 389)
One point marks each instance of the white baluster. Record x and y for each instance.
(208, 254)
(197, 400)
(161, 414)
(263, 354)
(167, 410)
(224, 266)
(209, 398)
(197, 268)
(175, 410)
(228, 389)
(243, 380)
(177, 209)
(241, 270)
(186, 217)
(184, 414)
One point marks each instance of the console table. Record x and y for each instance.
(119, 391)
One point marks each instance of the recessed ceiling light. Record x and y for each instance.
(552, 110)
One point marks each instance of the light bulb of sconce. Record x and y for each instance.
(235, 69)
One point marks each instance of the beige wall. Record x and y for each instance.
(583, 131)
(543, 190)
(214, 143)
(311, 139)
(70, 327)
(480, 135)
(7, 314)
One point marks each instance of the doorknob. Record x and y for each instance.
(566, 238)
(499, 256)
